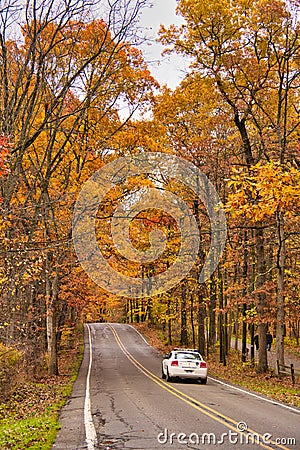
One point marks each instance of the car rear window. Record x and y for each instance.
(186, 355)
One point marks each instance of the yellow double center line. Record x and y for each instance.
(204, 409)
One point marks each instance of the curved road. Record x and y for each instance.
(119, 401)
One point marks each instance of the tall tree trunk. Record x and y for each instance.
(212, 311)
(192, 319)
(252, 352)
(51, 341)
(137, 311)
(169, 321)
(200, 287)
(245, 277)
(261, 301)
(221, 320)
(244, 334)
(237, 328)
(227, 344)
(51, 299)
(280, 289)
(131, 310)
(183, 328)
(201, 320)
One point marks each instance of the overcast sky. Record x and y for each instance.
(166, 69)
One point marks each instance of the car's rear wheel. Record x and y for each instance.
(203, 380)
(163, 375)
(168, 378)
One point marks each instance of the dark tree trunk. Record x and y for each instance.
(183, 328)
(201, 320)
(261, 300)
(212, 312)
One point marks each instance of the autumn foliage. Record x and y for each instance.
(75, 94)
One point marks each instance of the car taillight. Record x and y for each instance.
(174, 363)
(203, 364)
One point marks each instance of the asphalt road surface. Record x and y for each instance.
(119, 401)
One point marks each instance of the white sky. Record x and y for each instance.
(167, 70)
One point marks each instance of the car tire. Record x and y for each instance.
(168, 378)
(163, 374)
(203, 380)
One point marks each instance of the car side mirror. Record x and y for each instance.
(167, 356)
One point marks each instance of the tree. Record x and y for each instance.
(250, 52)
(63, 80)
(270, 192)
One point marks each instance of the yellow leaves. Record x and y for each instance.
(267, 189)
(230, 42)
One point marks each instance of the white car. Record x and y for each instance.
(184, 363)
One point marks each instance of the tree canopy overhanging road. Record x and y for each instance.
(69, 89)
(132, 407)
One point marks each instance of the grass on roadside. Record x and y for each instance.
(29, 419)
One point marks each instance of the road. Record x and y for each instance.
(119, 401)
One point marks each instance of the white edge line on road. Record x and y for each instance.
(140, 335)
(90, 431)
(274, 402)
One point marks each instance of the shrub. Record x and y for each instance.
(10, 360)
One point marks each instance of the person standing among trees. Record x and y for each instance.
(269, 340)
